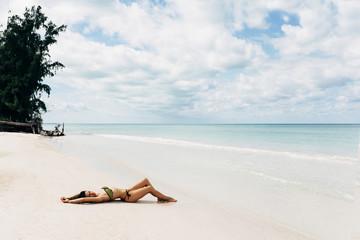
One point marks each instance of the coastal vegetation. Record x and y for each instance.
(25, 62)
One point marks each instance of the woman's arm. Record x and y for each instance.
(74, 197)
(87, 200)
(65, 199)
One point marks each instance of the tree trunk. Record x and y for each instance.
(19, 127)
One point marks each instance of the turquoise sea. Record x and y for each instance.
(302, 176)
(334, 139)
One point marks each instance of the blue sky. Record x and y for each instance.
(227, 61)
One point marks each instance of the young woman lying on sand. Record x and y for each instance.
(132, 194)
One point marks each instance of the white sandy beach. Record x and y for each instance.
(33, 176)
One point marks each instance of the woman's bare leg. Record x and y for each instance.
(143, 183)
(139, 193)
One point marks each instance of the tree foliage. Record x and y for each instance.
(25, 62)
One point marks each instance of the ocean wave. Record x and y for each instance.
(306, 186)
(336, 159)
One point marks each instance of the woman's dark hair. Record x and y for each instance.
(82, 194)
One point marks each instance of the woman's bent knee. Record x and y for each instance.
(147, 181)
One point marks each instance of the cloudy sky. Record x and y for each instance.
(203, 61)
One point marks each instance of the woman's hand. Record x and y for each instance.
(64, 199)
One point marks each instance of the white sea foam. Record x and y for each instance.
(291, 155)
(306, 186)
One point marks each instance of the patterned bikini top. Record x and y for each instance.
(109, 192)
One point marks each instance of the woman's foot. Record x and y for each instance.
(167, 200)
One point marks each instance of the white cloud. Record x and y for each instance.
(286, 18)
(182, 60)
(176, 58)
(348, 17)
(3, 13)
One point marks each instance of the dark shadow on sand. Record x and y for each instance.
(137, 202)
(121, 202)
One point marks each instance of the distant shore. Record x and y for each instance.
(34, 176)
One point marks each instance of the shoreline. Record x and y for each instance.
(34, 176)
(339, 140)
